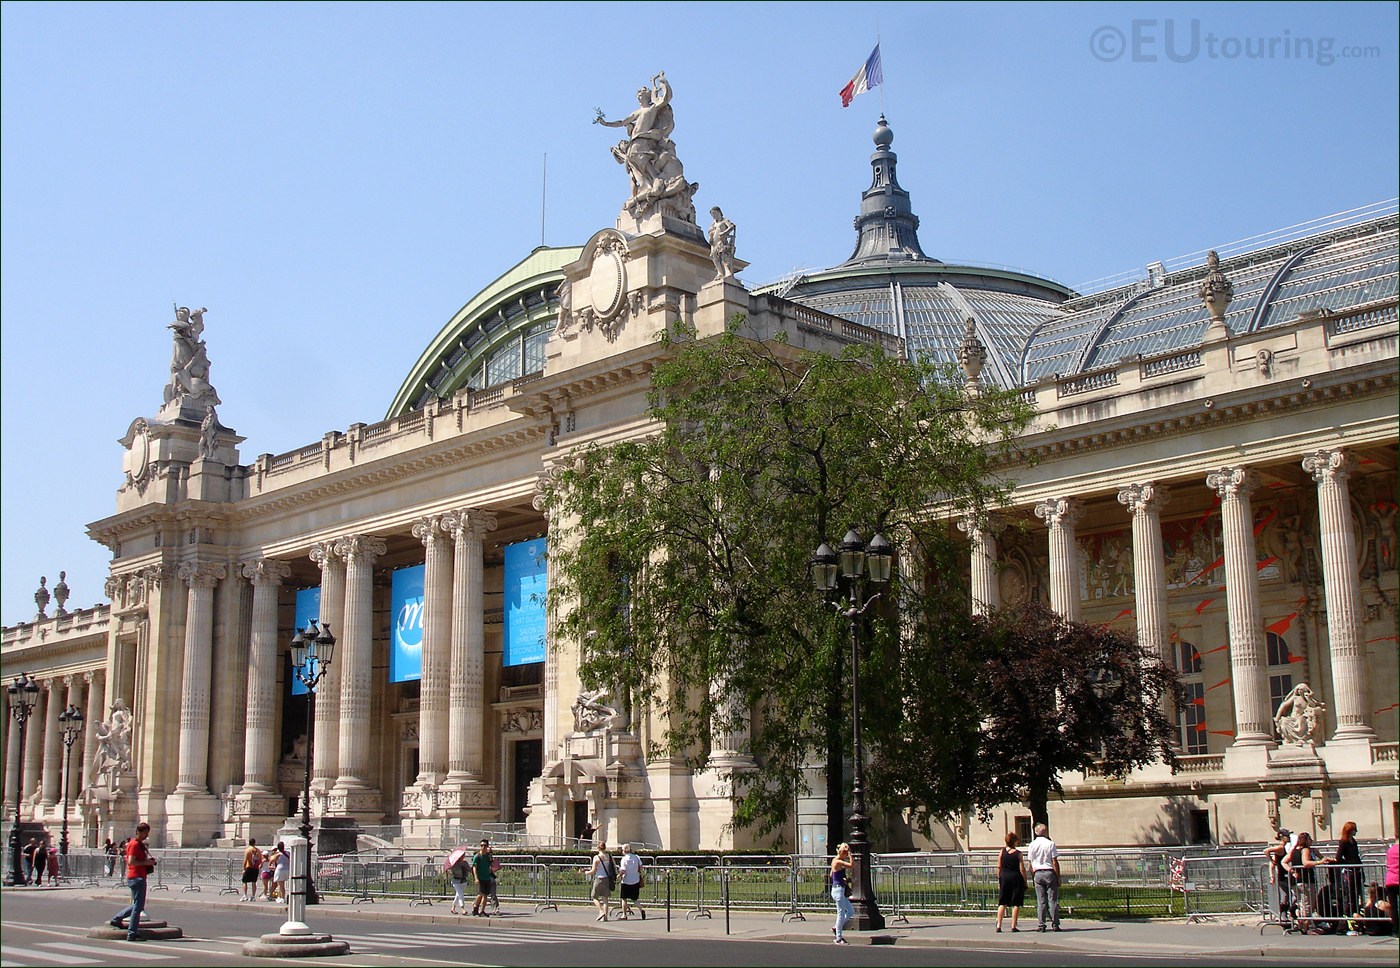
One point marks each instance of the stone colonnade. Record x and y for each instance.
(1331, 469)
(36, 772)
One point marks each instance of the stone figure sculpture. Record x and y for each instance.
(113, 745)
(722, 232)
(565, 321)
(189, 362)
(591, 712)
(1298, 716)
(1216, 291)
(649, 155)
(209, 434)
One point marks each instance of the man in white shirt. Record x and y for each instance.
(1044, 857)
(631, 870)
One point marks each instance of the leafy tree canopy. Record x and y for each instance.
(1043, 696)
(680, 561)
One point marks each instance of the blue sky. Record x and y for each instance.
(334, 181)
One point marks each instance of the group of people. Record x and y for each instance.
(270, 868)
(625, 876)
(39, 859)
(1042, 859)
(482, 869)
(1318, 895)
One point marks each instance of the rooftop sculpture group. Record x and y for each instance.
(649, 154)
(189, 363)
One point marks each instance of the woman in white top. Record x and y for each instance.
(281, 870)
(631, 868)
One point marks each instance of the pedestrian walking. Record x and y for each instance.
(139, 864)
(28, 855)
(1044, 857)
(1347, 880)
(840, 878)
(252, 867)
(481, 868)
(631, 886)
(1011, 881)
(604, 875)
(281, 871)
(458, 872)
(110, 850)
(266, 875)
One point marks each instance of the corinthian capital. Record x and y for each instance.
(364, 547)
(1060, 512)
(1231, 482)
(1329, 466)
(429, 529)
(265, 571)
(469, 523)
(1145, 498)
(201, 573)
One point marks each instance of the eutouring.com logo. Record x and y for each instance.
(1151, 41)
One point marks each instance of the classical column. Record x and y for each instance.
(1341, 581)
(34, 749)
(14, 762)
(200, 576)
(1145, 502)
(53, 738)
(260, 739)
(353, 655)
(94, 712)
(981, 532)
(1248, 669)
(437, 645)
(1062, 514)
(79, 688)
(467, 717)
(326, 764)
(730, 736)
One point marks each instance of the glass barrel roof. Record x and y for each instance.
(1337, 276)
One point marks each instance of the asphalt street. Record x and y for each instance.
(49, 929)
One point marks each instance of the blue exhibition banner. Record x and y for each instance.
(308, 607)
(524, 602)
(406, 635)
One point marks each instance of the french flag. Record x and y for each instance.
(867, 77)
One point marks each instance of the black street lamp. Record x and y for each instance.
(71, 722)
(23, 693)
(312, 651)
(853, 560)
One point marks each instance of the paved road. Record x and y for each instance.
(49, 928)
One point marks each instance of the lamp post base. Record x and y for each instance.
(295, 946)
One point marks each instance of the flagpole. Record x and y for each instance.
(544, 174)
(880, 47)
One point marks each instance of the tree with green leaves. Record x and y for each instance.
(680, 561)
(1026, 697)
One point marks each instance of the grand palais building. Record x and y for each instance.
(1217, 472)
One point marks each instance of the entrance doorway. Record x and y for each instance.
(529, 760)
(579, 818)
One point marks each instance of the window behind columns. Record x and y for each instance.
(1191, 716)
(1280, 670)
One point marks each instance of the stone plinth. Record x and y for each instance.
(296, 946)
(148, 931)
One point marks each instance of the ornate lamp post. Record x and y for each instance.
(854, 560)
(312, 652)
(23, 693)
(71, 722)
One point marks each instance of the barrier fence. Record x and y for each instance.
(1099, 884)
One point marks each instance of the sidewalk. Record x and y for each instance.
(1241, 938)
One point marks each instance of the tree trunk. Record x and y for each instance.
(835, 793)
(1039, 796)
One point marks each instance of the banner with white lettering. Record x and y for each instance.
(406, 631)
(524, 602)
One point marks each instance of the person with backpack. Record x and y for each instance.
(604, 875)
(482, 862)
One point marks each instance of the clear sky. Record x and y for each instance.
(333, 181)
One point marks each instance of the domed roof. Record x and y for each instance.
(890, 284)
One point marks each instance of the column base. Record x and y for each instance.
(255, 813)
(365, 805)
(193, 819)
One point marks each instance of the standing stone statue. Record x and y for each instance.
(209, 434)
(649, 155)
(189, 362)
(722, 244)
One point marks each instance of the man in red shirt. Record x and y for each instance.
(139, 864)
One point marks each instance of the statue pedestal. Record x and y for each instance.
(256, 813)
(193, 818)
